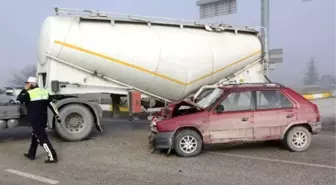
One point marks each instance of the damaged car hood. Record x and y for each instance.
(192, 104)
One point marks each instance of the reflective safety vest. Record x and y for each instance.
(37, 94)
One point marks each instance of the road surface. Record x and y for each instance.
(120, 155)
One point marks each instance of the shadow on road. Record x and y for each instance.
(329, 124)
(119, 126)
(110, 127)
(15, 134)
(245, 146)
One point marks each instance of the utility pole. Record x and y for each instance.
(265, 31)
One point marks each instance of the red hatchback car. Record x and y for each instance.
(236, 113)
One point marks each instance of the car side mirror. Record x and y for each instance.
(219, 109)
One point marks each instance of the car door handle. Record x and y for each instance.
(290, 115)
(245, 119)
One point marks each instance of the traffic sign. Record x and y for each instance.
(275, 56)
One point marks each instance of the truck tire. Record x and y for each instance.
(298, 139)
(3, 125)
(77, 123)
(188, 143)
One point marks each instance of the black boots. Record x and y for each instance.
(50, 161)
(52, 156)
(29, 156)
(46, 161)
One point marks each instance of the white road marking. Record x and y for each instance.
(276, 160)
(31, 176)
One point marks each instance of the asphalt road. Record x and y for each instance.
(120, 155)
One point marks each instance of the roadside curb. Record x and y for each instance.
(320, 95)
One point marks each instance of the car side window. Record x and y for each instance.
(237, 101)
(267, 99)
(285, 102)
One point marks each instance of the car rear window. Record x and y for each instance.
(272, 99)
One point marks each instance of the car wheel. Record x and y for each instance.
(188, 143)
(298, 139)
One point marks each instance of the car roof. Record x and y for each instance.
(251, 86)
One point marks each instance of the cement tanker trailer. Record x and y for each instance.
(166, 60)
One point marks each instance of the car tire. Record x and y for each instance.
(298, 139)
(185, 149)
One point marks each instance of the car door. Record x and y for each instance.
(231, 119)
(287, 111)
(266, 122)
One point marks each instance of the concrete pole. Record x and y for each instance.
(265, 32)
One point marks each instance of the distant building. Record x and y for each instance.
(327, 81)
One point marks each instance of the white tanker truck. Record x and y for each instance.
(85, 52)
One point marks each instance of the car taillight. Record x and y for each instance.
(318, 119)
(318, 116)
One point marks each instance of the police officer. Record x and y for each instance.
(37, 101)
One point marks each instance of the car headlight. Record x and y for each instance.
(153, 123)
(152, 126)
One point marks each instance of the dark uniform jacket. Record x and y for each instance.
(37, 101)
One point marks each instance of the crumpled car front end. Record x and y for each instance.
(163, 140)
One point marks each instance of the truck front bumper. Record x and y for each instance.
(316, 127)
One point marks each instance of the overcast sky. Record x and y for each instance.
(302, 29)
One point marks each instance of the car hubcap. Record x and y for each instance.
(299, 139)
(188, 144)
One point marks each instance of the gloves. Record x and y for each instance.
(58, 119)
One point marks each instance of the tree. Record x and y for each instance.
(18, 78)
(312, 76)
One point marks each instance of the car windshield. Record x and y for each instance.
(211, 98)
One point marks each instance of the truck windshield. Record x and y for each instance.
(211, 98)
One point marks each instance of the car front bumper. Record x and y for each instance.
(160, 140)
(163, 140)
(316, 127)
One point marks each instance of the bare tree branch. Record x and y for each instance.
(19, 77)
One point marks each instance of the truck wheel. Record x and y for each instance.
(77, 123)
(298, 139)
(188, 143)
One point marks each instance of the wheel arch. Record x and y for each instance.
(187, 127)
(290, 126)
(93, 107)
